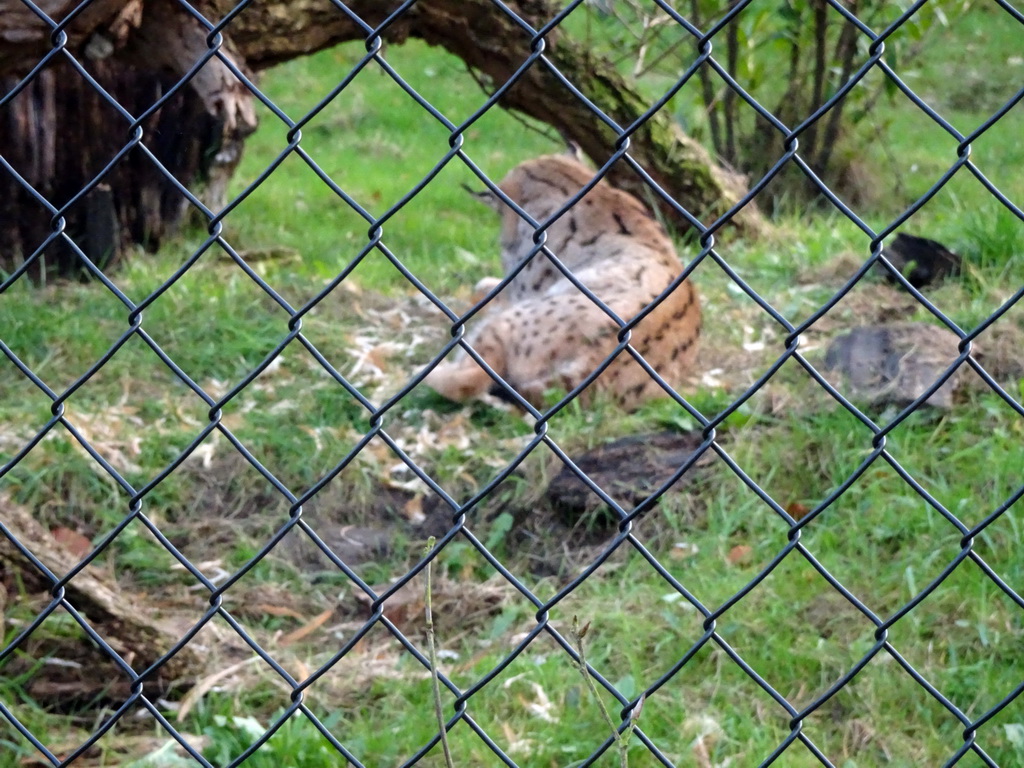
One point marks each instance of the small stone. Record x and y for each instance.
(894, 364)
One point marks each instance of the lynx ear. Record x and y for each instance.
(486, 197)
(573, 150)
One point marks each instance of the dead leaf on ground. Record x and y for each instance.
(279, 610)
(797, 510)
(301, 670)
(301, 632)
(740, 554)
(201, 688)
(74, 542)
(413, 510)
(405, 608)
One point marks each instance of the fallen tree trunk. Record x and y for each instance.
(493, 44)
(61, 131)
(82, 671)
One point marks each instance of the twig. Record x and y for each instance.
(732, 55)
(621, 739)
(707, 90)
(432, 657)
(846, 49)
(489, 91)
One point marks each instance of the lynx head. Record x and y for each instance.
(543, 185)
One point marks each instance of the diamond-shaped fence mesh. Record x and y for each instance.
(697, 612)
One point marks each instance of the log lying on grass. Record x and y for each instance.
(74, 669)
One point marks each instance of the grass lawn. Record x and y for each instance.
(882, 540)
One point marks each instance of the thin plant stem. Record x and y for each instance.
(621, 739)
(432, 657)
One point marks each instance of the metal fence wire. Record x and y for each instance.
(460, 699)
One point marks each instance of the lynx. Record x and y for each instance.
(541, 333)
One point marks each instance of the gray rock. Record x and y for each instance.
(894, 363)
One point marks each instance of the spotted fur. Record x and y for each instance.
(542, 333)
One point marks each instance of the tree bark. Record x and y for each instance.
(131, 629)
(677, 163)
(61, 132)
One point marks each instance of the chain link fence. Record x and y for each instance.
(144, 686)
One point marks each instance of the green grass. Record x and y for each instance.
(880, 539)
(373, 125)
